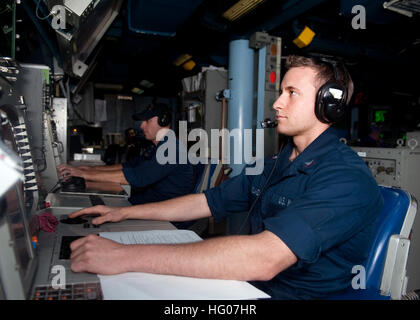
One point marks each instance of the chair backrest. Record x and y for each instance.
(385, 265)
(214, 173)
(206, 174)
(200, 170)
(390, 222)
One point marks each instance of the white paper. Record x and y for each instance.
(147, 286)
(152, 236)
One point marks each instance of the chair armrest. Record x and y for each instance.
(394, 280)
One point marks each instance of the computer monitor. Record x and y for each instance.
(18, 261)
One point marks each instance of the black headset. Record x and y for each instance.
(331, 99)
(164, 119)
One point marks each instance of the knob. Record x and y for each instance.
(389, 170)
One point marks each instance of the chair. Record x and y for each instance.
(200, 175)
(206, 175)
(385, 267)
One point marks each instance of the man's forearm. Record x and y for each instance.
(246, 258)
(185, 208)
(107, 167)
(113, 176)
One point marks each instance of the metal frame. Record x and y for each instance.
(394, 279)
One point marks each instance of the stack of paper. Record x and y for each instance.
(137, 285)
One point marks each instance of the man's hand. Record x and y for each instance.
(107, 214)
(66, 171)
(98, 255)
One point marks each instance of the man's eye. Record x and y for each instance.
(293, 93)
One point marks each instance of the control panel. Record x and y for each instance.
(395, 167)
(399, 167)
(384, 170)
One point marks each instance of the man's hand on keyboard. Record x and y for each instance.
(107, 214)
(66, 171)
(95, 254)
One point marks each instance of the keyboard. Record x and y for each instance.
(77, 291)
(65, 250)
(96, 200)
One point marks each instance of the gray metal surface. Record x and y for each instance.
(59, 116)
(50, 243)
(399, 167)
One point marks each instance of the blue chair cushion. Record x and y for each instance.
(390, 221)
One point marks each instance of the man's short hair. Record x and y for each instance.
(324, 72)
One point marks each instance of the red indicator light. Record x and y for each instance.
(272, 77)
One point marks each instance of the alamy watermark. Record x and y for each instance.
(359, 20)
(242, 141)
(59, 17)
(359, 280)
(59, 280)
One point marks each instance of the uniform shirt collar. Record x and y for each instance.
(307, 160)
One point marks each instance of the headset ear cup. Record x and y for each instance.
(319, 105)
(164, 120)
(331, 102)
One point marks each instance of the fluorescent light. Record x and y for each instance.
(406, 7)
(130, 98)
(146, 84)
(137, 90)
(240, 8)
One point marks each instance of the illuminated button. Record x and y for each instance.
(272, 77)
(273, 49)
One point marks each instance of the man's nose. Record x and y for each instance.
(279, 103)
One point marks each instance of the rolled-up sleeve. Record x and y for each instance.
(330, 212)
(230, 196)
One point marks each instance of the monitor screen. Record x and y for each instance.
(381, 116)
(13, 211)
(11, 207)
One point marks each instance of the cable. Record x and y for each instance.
(259, 195)
(264, 186)
(37, 14)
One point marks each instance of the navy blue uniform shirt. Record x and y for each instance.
(151, 181)
(323, 206)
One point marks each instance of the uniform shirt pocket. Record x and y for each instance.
(275, 201)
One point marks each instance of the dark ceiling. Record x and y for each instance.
(147, 36)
